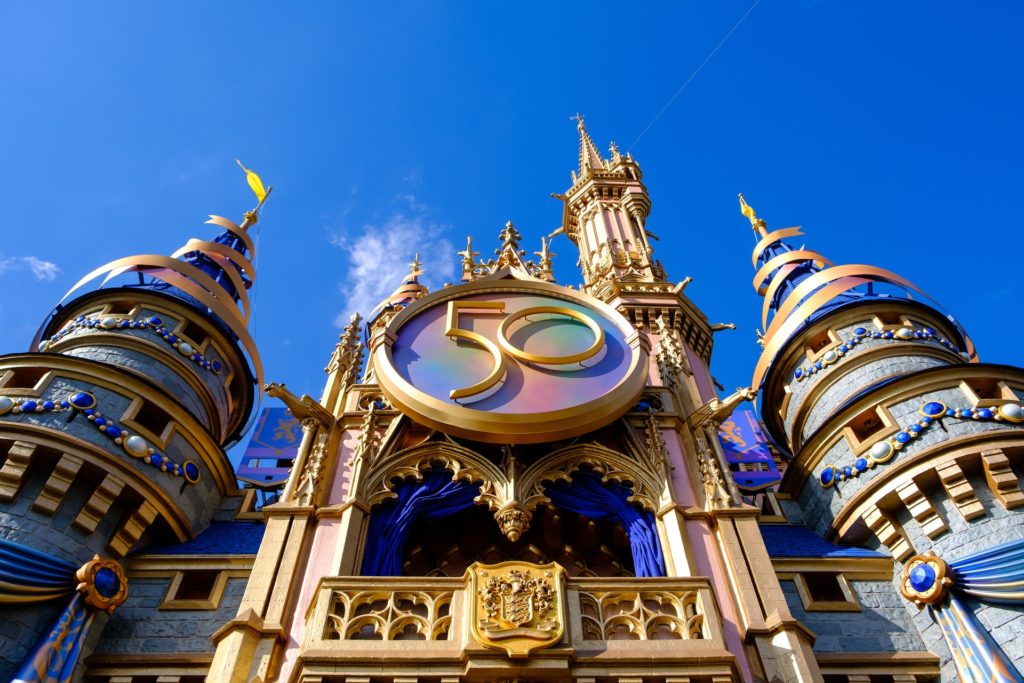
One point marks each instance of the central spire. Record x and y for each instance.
(605, 214)
(590, 158)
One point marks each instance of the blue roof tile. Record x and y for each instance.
(220, 538)
(796, 540)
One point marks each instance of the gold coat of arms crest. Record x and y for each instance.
(517, 606)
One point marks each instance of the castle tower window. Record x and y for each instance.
(984, 392)
(825, 592)
(869, 427)
(195, 589)
(24, 378)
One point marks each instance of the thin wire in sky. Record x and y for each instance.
(693, 75)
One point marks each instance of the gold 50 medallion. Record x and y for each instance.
(510, 361)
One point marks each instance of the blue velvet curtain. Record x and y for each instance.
(434, 497)
(588, 496)
(29, 576)
(993, 575)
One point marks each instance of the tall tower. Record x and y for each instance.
(524, 483)
(112, 438)
(901, 440)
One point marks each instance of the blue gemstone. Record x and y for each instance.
(843, 348)
(82, 400)
(113, 432)
(155, 459)
(168, 466)
(153, 320)
(48, 405)
(861, 464)
(191, 471)
(99, 421)
(818, 366)
(921, 577)
(933, 409)
(966, 412)
(915, 428)
(171, 338)
(80, 319)
(90, 412)
(107, 583)
(848, 471)
(28, 406)
(827, 476)
(860, 331)
(65, 404)
(877, 335)
(985, 413)
(798, 373)
(927, 420)
(888, 334)
(929, 331)
(902, 437)
(951, 413)
(216, 366)
(643, 406)
(124, 324)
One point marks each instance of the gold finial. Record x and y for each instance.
(578, 118)
(256, 185)
(416, 268)
(758, 224)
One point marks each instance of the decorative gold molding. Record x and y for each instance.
(810, 454)
(113, 380)
(853, 568)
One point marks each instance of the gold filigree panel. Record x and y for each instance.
(641, 615)
(387, 615)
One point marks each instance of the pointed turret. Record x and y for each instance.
(125, 405)
(590, 158)
(801, 286)
(195, 302)
(605, 214)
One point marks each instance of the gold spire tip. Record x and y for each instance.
(747, 210)
(416, 267)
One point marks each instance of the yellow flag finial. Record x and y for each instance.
(254, 182)
(747, 210)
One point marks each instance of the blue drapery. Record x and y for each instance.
(29, 576)
(55, 656)
(434, 497)
(588, 496)
(993, 575)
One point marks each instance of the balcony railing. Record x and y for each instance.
(378, 625)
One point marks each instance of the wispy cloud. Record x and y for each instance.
(44, 271)
(378, 257)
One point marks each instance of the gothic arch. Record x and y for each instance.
(560, 464)
(464, 464)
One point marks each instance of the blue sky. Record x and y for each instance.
(890, 131)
